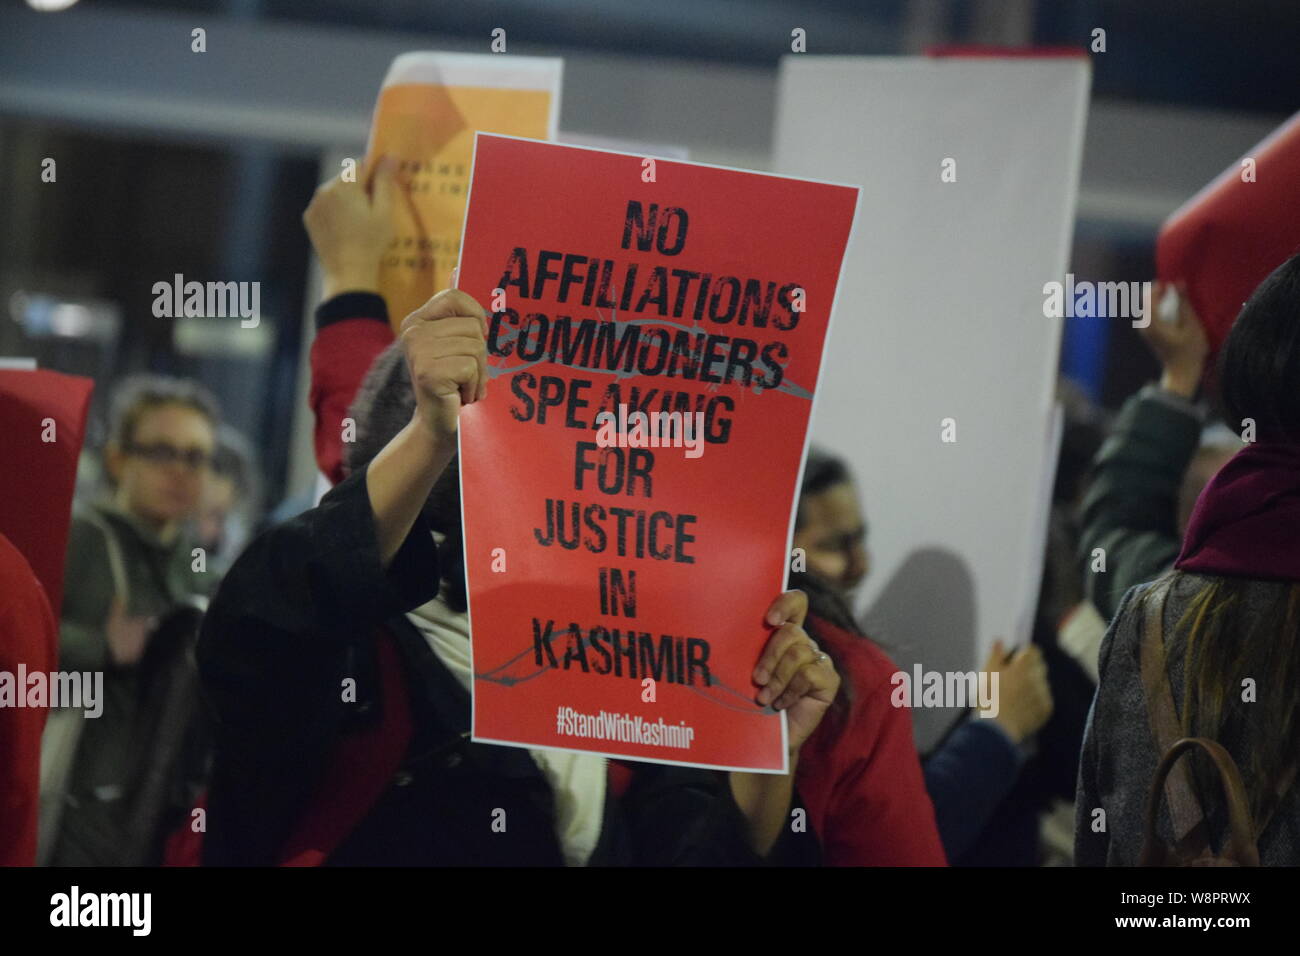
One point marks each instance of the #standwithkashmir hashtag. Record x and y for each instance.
(624, 728)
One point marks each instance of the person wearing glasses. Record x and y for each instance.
(131, 562)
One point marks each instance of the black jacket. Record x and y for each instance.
(297, 615)
(1130, 509)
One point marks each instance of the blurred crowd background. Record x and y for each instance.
(207, 174)
(170, 162)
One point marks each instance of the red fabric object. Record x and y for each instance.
(361, 769)
(365, 763)
(861, 781)
(1246, 522)
(1228, 237)
(341, 356)
(1005, 52)
(39, 476)
(620, 777)
(184, 845)
(27, 637)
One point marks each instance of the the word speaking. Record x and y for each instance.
(639, 429)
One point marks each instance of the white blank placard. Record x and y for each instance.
(940, 315)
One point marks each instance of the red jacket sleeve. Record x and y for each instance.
(864, 774)
(27, 637)
(352, 329)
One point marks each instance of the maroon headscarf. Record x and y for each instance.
(1246, 523)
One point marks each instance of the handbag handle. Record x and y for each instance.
(1241, 829)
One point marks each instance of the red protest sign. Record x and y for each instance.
(1225, 240)
(655, 338)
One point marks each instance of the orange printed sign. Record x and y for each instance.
(429, 109)
(655, 339)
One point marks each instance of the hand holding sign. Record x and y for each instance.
(1181, 345)
(429, 109)
(445, 346)
(351, 225)
(794, 674)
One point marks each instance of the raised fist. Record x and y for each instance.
(445, 342)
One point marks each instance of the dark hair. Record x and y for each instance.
(138, 394)
(1229, 635)
(382, 408)
(1235, 628)
(823, 471)
(1259, 369)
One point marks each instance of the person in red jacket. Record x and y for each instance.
(859, 775)
(27, 637)
(349, 228)
(42, 418)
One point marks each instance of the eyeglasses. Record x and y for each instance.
(161, 453)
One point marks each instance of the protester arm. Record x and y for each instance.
(967, 777)
(351, 330)
(1130, 510)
